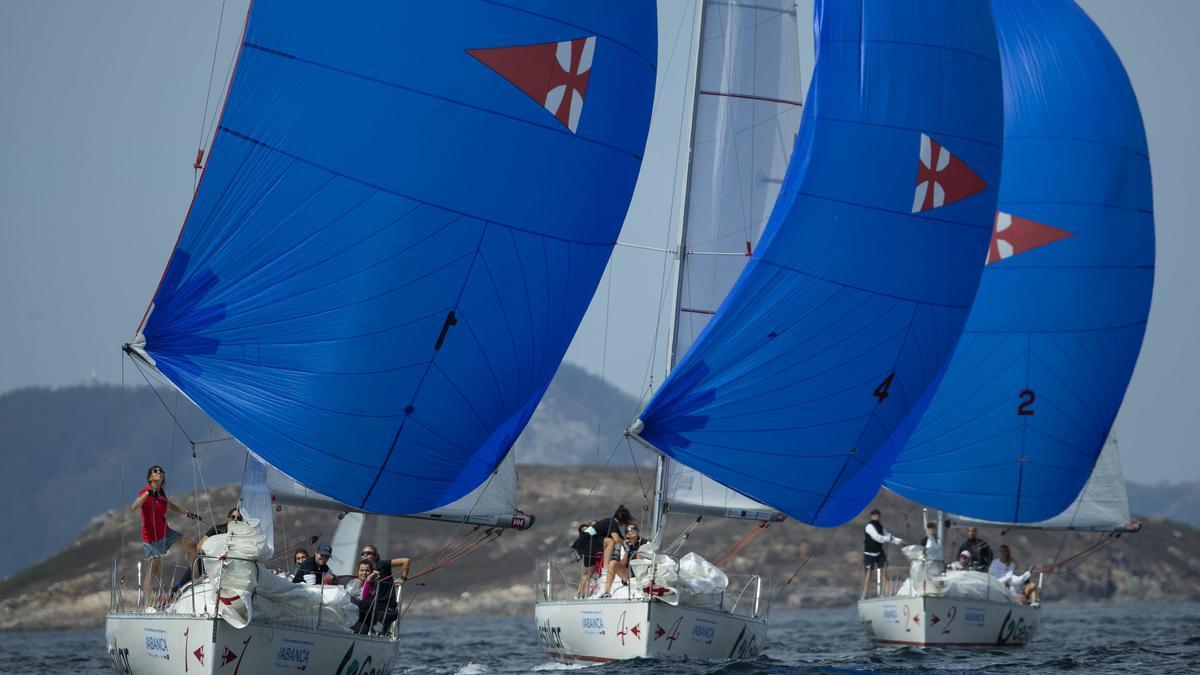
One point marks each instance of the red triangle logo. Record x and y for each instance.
(200, 654)
(942, 178)
(1013, 235)
(555, 74)
(228, 656)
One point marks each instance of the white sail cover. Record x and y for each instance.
(1102, 506)
(493, 503)
(749, 91)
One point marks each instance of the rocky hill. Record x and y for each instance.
(72, 587)
(73, 452)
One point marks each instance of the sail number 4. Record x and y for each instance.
(881, 392)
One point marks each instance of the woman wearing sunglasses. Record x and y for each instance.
(157, 537)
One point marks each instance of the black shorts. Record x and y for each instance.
(871, 562)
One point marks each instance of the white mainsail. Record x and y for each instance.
(492, 504)
(1102, 506)
(345, 543)
(749, 88)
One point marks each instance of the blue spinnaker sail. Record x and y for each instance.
(864, 275)
(405, 213)
(1031, 392)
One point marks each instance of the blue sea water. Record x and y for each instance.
(1080, 638)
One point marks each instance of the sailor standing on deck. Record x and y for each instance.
(874, 557)
(934, 554)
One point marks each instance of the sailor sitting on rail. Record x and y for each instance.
(1004, 568)
(619, 565)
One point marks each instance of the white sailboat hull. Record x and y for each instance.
(947, 622)
(602, 630)
(166, 644)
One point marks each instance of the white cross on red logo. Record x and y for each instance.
(565, 98)
(555, 74)
(942, 178)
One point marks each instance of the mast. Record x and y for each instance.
(657, 513)
(748, 82)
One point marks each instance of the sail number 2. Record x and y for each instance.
(1027, 399)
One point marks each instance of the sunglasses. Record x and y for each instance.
(370, 553)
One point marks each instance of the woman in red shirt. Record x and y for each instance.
(157, 537)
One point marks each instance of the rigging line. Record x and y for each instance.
(643, 247)
(227, 81)
(603, 384)
(215, 440)
(212, 428)
(458, 528)
(756, 530)
(667, 272)
(1062, 543)
(474, 531)
(1078, 558)
(802, 565)
(595, 484)
(124, 446)
(197, 487)
(461, 552)
(637, 472)
(164, 404)
(212, 69)
(174, 416)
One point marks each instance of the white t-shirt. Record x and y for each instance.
(933, 548)
(1007, 574)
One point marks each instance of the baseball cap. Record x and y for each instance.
(324, 549)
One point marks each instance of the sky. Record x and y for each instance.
(103, 109)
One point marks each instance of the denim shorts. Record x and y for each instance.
(159, 548)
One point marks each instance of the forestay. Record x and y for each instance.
(1030, 395)
(861, 282)
(403, 217)
(748, 104)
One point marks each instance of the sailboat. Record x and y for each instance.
(856, 289)
(403, 214)
(746, 85)
(1019, 420)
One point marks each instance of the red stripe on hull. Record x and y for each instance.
(577, 657)
(946, 644)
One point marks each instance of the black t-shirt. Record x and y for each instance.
(385, 590)
(981, 553)
(605, 528)
(310, 566)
